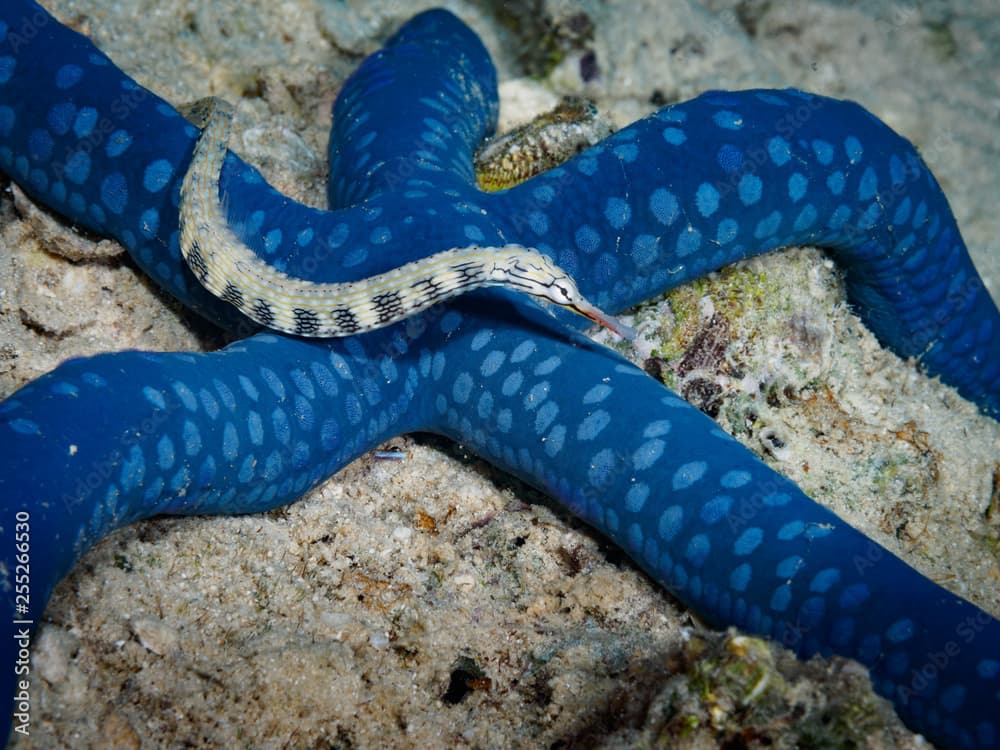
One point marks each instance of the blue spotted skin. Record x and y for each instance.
(103, 441)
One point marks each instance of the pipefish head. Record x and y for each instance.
(531, 272)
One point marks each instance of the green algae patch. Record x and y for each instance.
(752, 318)
(738, 691)
(755, 331)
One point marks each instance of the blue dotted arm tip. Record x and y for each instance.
(456, 102)
(95, 146)
(107, 440)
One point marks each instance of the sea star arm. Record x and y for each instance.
(442, 67)
(736, 174)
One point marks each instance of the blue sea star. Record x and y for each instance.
(255, 425)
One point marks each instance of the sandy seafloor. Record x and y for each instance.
(433, 602)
